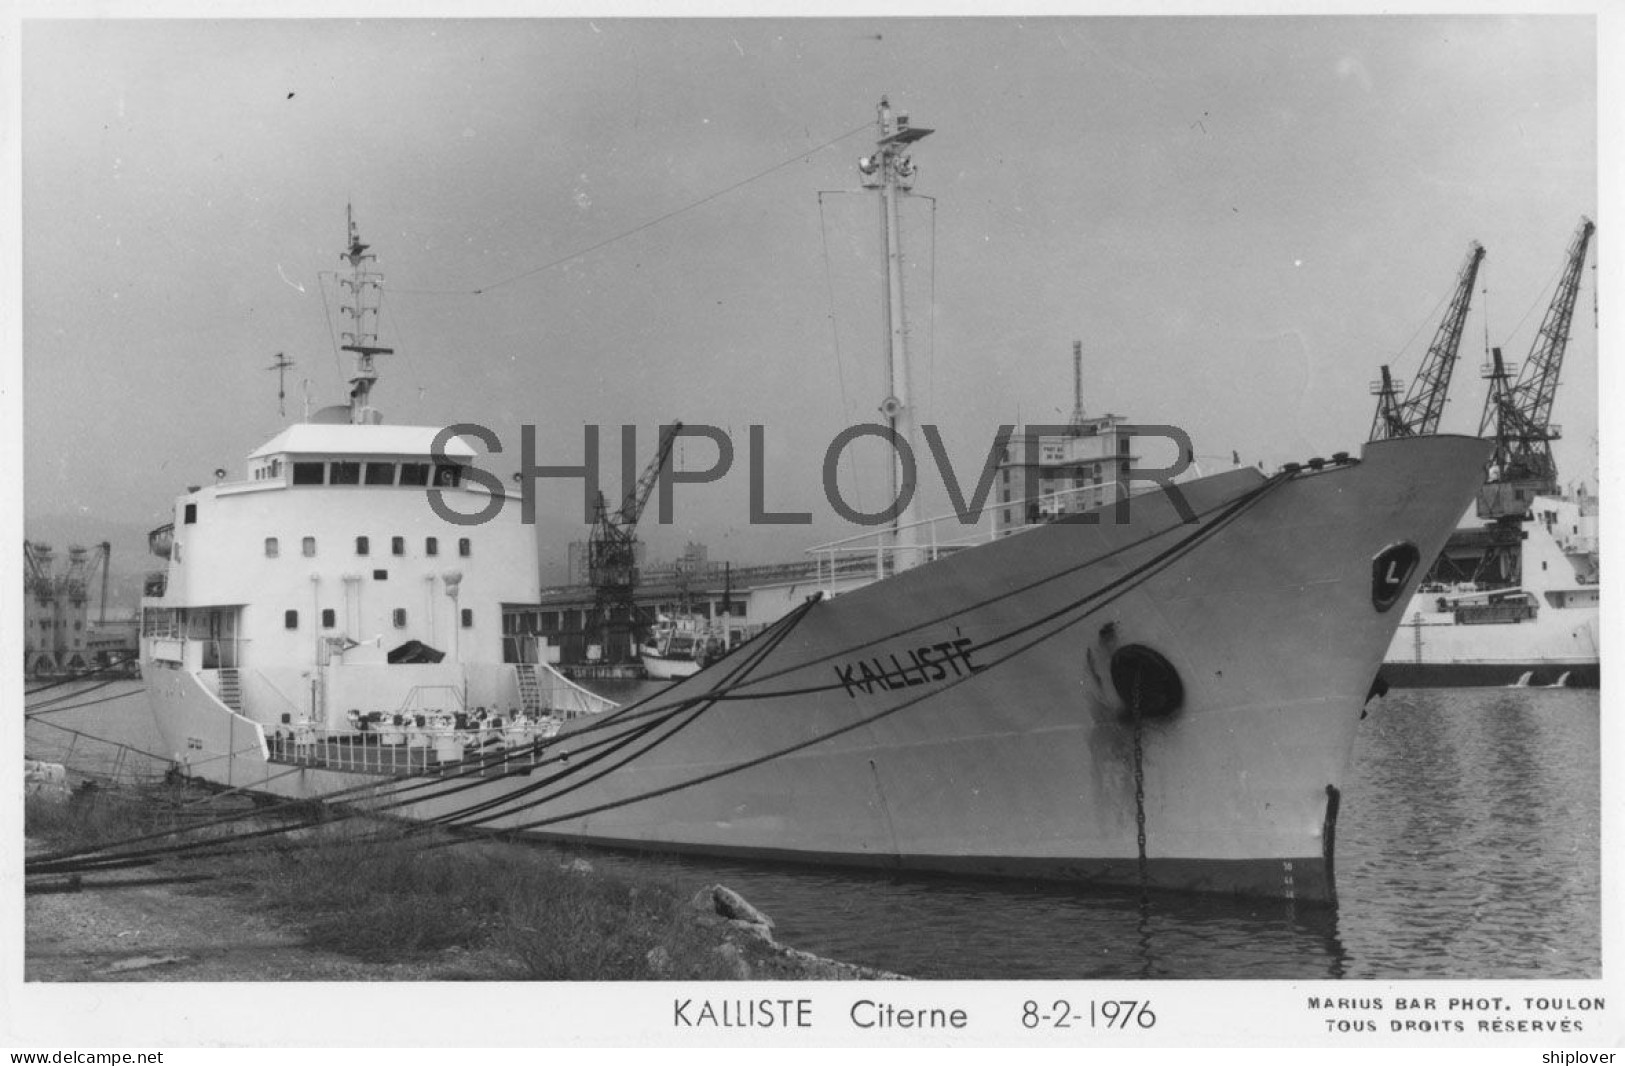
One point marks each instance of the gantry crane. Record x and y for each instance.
(56, 615)
(612, 562)
(1418, 414)
(1518, 414)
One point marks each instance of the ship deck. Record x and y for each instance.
(364, 754)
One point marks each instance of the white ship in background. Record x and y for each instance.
(1519, 612)
(1158, 693)
(1514, 598)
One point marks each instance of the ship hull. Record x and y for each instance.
(661, 668)
(1529, 674)
(1123, 698)
(1430, 650)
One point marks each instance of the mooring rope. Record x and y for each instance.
(1166, 559)
(84, 675)
(1227, 512)
(93, 858)
(395, 791)
(699, 704)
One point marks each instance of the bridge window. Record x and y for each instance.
(308, 473)
(345, 472)
(271, 548)
(414, 473)
(448, 476)
(290, 619)
(363, 545)
(380, 473)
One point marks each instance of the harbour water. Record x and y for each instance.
(1468, 848)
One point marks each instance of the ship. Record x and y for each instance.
(1523, 610)
(1159, 692)
(678, 646)
(1514, 599)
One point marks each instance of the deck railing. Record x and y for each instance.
(879, 553)
(416, 747)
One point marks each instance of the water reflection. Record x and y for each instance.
(1469, 848)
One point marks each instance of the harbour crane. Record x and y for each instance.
(1518, 413)
(56, 603)
(1418, 414)
(37, 567)
(612, 562)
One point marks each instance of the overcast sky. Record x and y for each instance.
(607, 221)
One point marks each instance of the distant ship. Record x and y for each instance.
(1530, 619)
(1157, 693)
(1514, 598)
(678, 646)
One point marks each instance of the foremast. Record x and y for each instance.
(890, 171)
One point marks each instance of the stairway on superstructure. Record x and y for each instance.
(530, 694)
(231, 692)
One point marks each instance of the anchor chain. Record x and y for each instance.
(1139, 781)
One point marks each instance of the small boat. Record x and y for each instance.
(679, 645)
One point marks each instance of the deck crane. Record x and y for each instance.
(612, 564)
(1518, 413)
(1418, 414)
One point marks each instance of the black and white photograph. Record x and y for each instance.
(784, 527)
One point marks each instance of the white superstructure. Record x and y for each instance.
(324, 590)
(1531, 618)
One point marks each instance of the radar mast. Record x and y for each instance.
(891, 171)
(365, 291)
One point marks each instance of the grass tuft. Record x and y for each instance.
(386, 893)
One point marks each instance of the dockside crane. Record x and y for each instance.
(56, 604)
(612, 563)
(37, 571)
(1418, 414)
(1518, 413)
